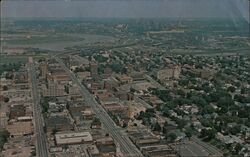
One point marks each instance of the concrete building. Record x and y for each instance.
(44, 69)
(93, 151)
(94, 71)
(20, 128)
(69, 138)
(83, 75)
(53, 89)
(106, 147)
(158, 151)
(124, 79)
(58, 75)
(107, 72)
(170, 72)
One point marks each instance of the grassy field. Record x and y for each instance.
(43, 39)
(55, 42)
(13, 59)
(19, 58)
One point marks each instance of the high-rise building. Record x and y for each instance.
(107, 72)
(44, 69)
(94, 70)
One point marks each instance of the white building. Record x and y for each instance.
(73, 138)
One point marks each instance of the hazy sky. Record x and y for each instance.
(126, 8)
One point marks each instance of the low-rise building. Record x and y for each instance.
(20, 128)
(170, 72)
(69, 138)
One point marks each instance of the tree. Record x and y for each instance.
(9, 75)
(66, 89)
(206, 122)
(78, 69)
(237, 149)
(132, 90)
(241, 98)
(215, 96)
(5, 88)
(171, 137)
(199, 101)
(4, 135)
(225, 102)
(100, 58)
(118, 68)
(157, 127)
(207, 109)
(243, 91)
(207, 134)
(181, 123)
(189, 132)
(6, 99)
(181, 92)
(183, 82)
(231, 89)
(54, 131)
(165, 111)
(45, 107)
(162, 94)
(235, 130)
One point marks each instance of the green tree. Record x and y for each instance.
(237, 149)
(181, 123)
(189, 132)
(235, 130)
(118, 68)
(208, 134)
(207, 109)
(45, 107)
(199, 101)
(4, 135)
(225, 102)
(100, 58)
(231, 89)
(6, 99)
(157, 127)
(54, 131)
(5, 88)
(171, 137)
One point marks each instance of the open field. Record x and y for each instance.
(13, 59)
(19, 58)
(54, 42)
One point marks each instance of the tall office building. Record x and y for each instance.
(94, 70)
(44, 69)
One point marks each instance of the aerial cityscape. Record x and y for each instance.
(115, 84)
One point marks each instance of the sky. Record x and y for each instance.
(126, 8)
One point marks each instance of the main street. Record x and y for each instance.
(41, 147)
(127, 147)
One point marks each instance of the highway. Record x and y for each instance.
(127, 147)
(41, 145)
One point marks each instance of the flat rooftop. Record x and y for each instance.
(73, 138)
